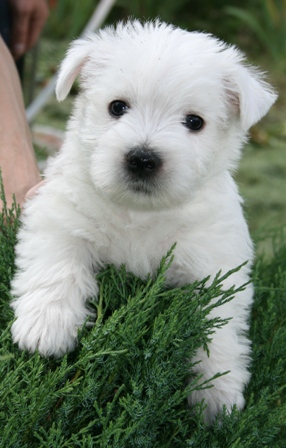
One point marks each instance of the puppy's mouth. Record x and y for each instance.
(142, 166)
(141, 187)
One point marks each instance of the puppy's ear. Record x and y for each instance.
(72, 64)
(251, 93)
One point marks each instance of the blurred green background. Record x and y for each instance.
(258, 27)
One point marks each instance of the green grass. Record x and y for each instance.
(262, 172)
(262, 181)
(125, 386)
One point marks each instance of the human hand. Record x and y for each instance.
(28, 18)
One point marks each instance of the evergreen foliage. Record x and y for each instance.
(126, 383)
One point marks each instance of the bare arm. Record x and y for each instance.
(17, 160)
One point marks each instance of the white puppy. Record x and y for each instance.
(155, 133)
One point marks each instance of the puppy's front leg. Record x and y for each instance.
(53, 281)
(229, 354)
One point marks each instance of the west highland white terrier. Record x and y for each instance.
(154, 137)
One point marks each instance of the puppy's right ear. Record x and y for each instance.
(72, 64)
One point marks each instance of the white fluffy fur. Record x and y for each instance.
(87, 214)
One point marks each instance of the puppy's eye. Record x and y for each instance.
(117, 108)
(193, 122)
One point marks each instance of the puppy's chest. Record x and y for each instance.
(140, 250)
(139, 246)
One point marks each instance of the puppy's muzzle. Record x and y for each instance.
(142, 163)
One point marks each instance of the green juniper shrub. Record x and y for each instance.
(126, 383)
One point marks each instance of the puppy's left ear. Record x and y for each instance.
(72, 64)
(253, 95)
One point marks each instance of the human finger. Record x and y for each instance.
(37, 20)
(19, 32)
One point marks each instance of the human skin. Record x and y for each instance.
(17, 159)
(28, 19)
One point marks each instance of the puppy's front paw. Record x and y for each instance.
(222, 394)
(52, 329)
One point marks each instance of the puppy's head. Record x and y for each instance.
(161, 110)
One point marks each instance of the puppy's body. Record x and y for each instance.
(126, 186)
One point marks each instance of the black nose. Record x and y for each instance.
(143, 162)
